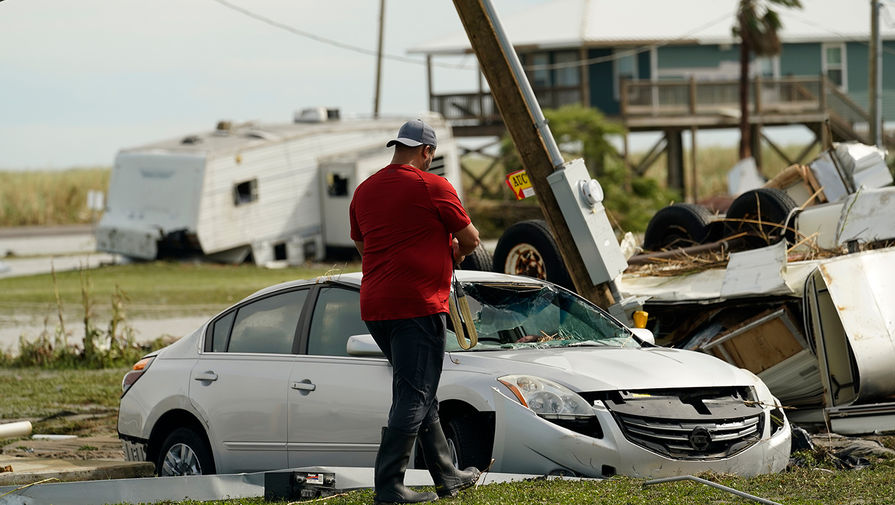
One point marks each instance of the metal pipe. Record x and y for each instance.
(524, 86)
(876, 75)
(713, 484)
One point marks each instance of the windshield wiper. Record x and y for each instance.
(588, 343)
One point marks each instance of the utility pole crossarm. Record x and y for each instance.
(520, 122)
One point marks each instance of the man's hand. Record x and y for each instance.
(455, 252)
(465, 241)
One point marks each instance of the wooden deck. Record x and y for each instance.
(662, 105)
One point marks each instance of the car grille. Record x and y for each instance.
(703, 423)
(692, 440)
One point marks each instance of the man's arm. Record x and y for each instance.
(465, 241)
(359, 244)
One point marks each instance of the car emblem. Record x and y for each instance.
(700, 438)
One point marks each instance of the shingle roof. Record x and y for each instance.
(573, 23)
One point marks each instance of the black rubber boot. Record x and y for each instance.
(391, 463)
(448, 479)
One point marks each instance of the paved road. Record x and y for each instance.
(35, 250)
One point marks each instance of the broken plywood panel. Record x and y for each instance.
(799, 182)
(760, 342)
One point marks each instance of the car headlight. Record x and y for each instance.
(547, 398)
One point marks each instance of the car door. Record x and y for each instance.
(337, 403)
(240, 383)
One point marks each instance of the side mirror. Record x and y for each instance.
(363, 346)
(644, 334)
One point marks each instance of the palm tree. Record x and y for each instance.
(756, 25)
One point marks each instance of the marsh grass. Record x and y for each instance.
(158, 287)
(37, 198)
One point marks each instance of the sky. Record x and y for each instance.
(81, 79)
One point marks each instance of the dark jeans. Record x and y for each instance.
(415, 349)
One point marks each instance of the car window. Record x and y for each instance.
(512, 316)
(221, 331)
(267, 325)
(336, 317)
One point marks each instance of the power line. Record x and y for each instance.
(313, 36)
(630, 52)
(460, 66)
(465, 66)
(844, 37)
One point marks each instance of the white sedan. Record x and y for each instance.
(289, 377)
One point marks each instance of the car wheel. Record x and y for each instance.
(184, 452)
(763, 214)
(479, 259)
(678, 225)
(466, 442)
(528, 248)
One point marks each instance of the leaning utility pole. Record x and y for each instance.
(379, 59)
(527, 126)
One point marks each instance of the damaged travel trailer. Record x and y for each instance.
(264, 192)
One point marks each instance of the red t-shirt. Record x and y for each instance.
(405, 218)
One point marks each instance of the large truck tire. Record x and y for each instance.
(528, 248)
(764, 214)
(677, 225)
(479, 259)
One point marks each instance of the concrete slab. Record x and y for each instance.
(29, 470)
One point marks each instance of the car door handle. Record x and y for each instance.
(207, 375)
(304, 385)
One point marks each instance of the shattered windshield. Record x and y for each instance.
(514, 316)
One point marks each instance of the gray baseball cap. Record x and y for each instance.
(413, 134)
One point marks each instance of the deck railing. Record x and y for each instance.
(695, 97)
(785, 95)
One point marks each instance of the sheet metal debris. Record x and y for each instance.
(810, 315)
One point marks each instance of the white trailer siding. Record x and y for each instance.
(150, 192)
(288, 200)
(244, 186)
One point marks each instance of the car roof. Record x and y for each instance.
(354, 279)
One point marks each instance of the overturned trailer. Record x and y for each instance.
(265, 192)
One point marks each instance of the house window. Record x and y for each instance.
(625, 63)
(245, 192)
(767, 67)
(540, 75)
(567, 70)
(834, 64)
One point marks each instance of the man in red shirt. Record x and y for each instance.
(410, 228)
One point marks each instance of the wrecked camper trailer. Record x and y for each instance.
(265, 192)
(809, 314)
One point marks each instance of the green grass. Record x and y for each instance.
(41, 394)
(80, 402)
(154, 287)
(797, 487)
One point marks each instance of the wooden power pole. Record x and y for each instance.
(522, 126)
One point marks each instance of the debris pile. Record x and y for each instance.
(790, 283)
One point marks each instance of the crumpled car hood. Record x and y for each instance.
(604, 369)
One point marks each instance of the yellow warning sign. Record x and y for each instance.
(521, 186)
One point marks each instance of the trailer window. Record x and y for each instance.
(245, 192)
(437, 166)
(336, 184)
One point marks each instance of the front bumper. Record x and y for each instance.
(134, 450)
(525, 443)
